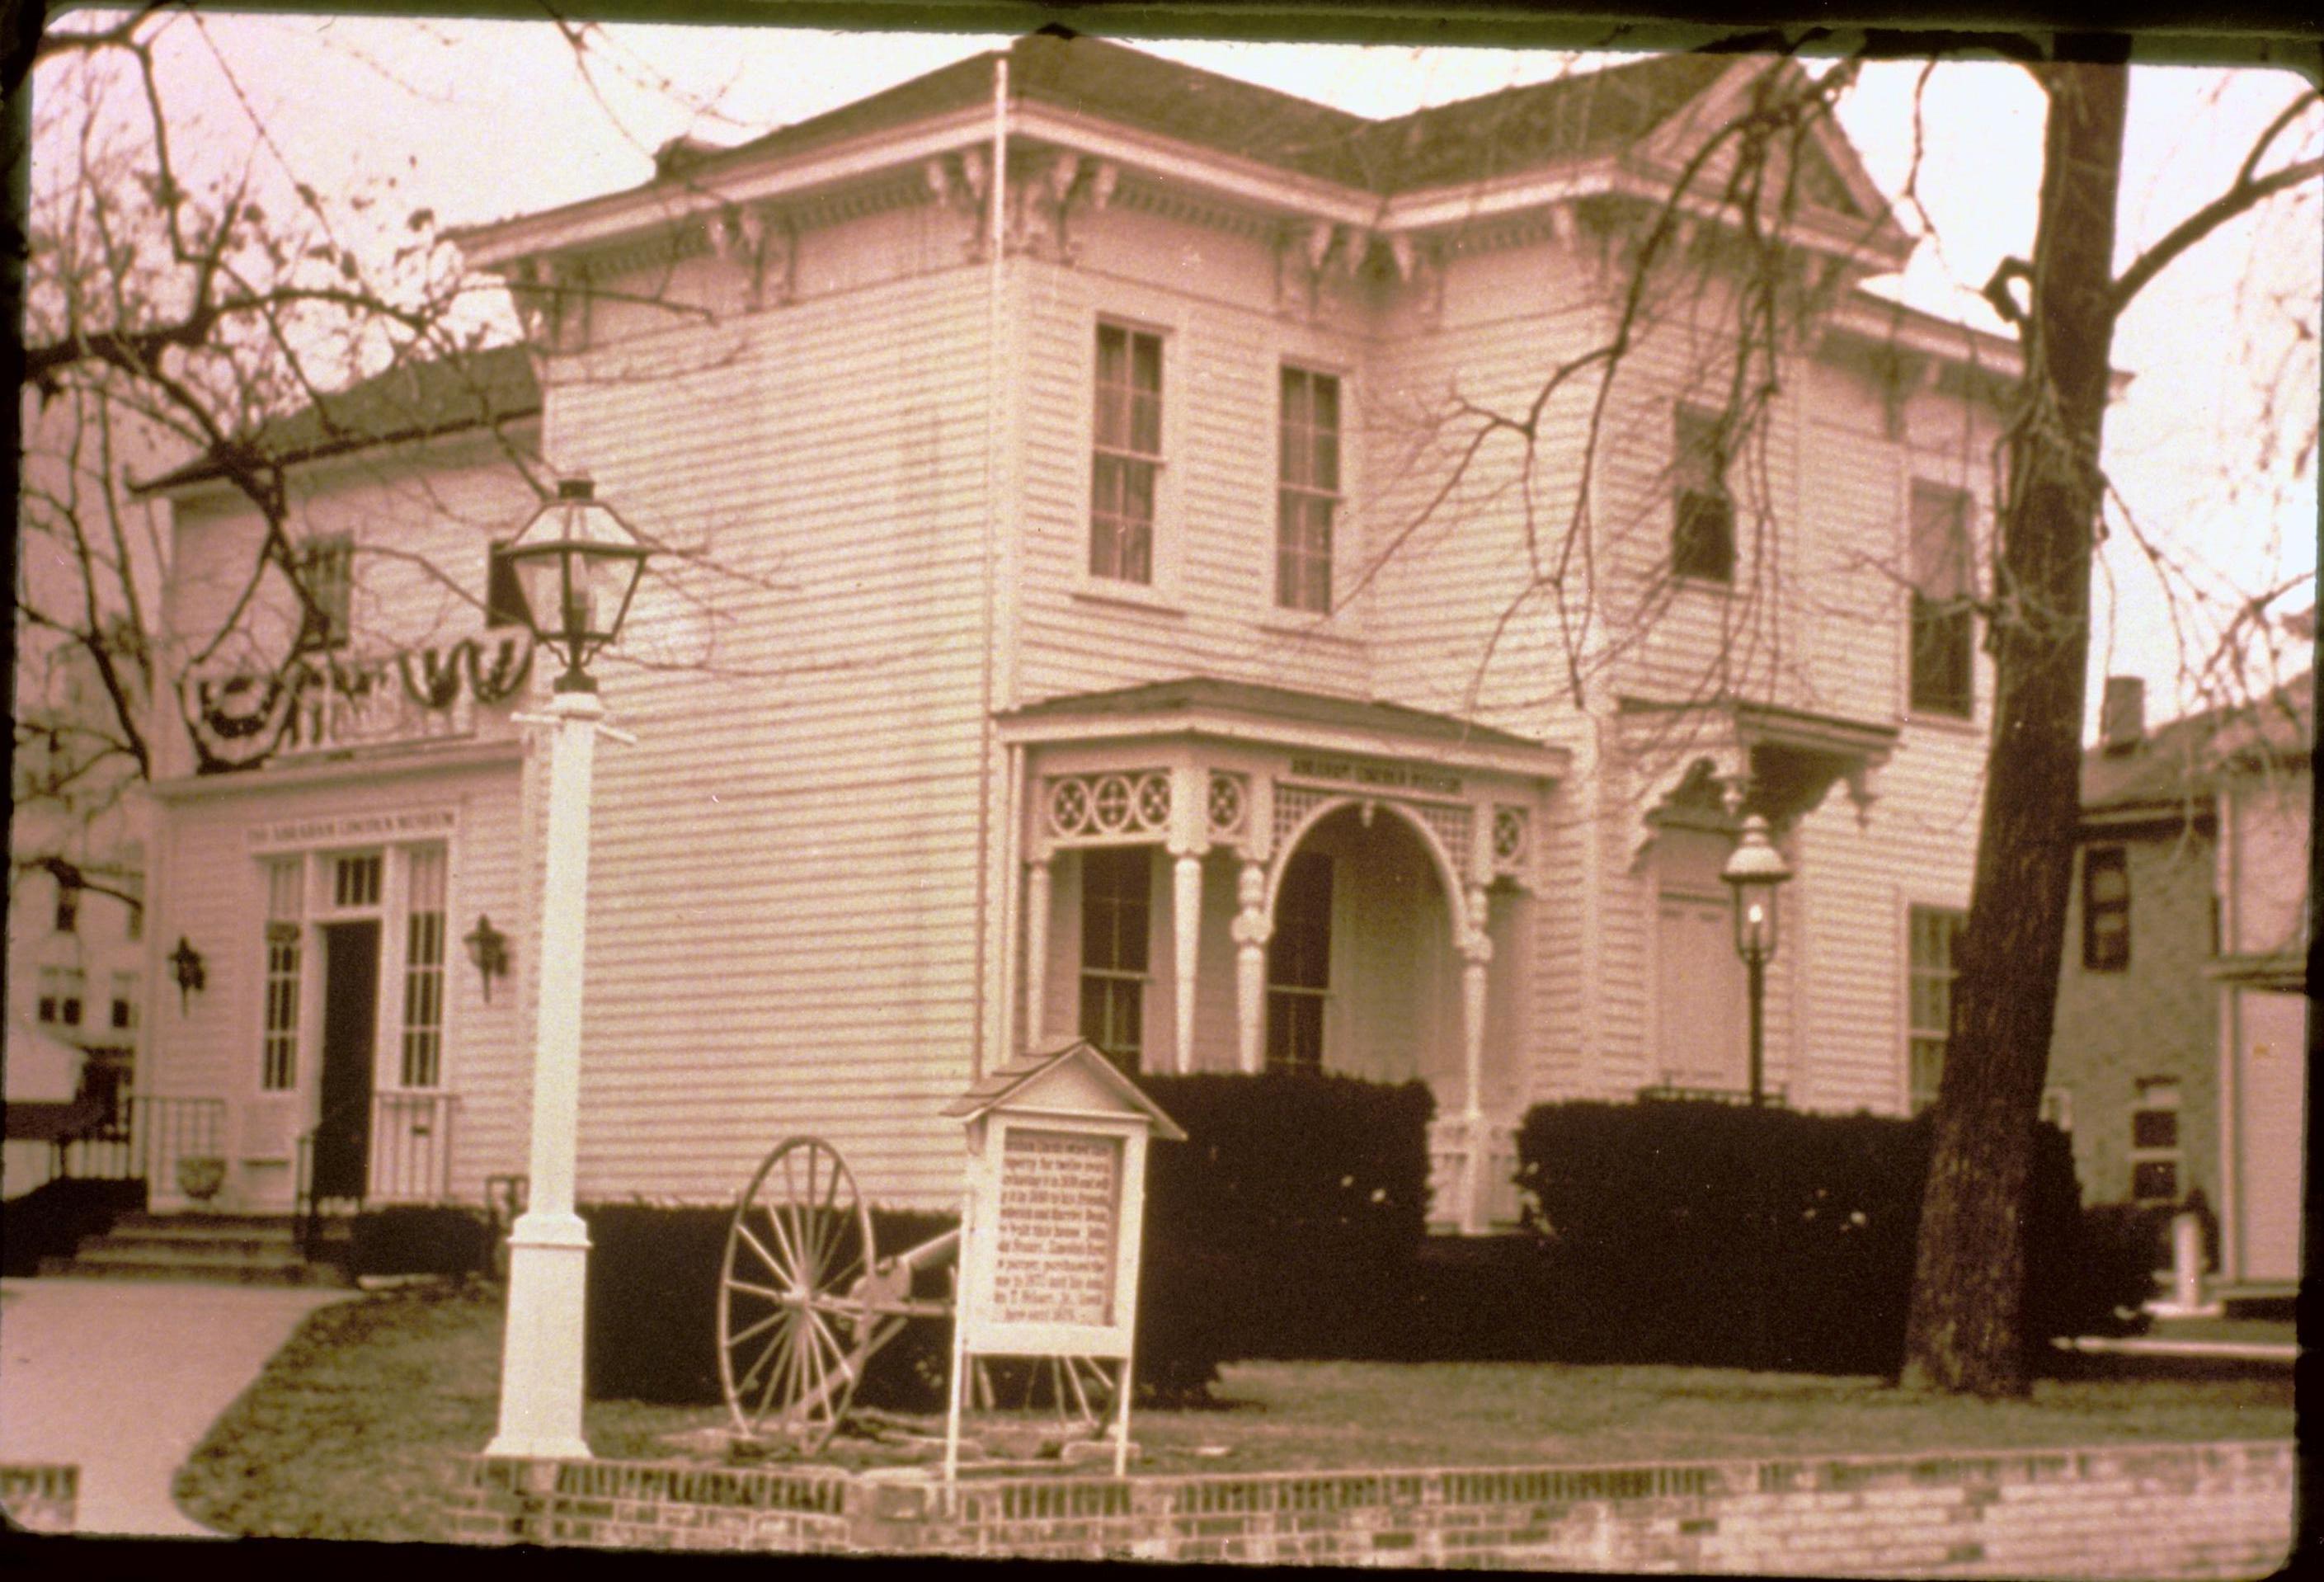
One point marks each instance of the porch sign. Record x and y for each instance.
(1052, 1220)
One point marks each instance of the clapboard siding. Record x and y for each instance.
(783, 879)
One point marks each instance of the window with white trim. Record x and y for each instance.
(68, 918)
(1117, 898)
(1307, 490)
(1944, 619)
(278, 1038)
(423, 969)
(327, 567)
(1702, 526)
(1126, 459)
(1932, 935)
(1299, 965)
(2155, 1160)
(124, 1002)
(62, 989)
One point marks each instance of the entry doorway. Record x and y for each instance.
(342, 1162)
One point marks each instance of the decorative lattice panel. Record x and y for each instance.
(1512, 839)
(1293, 803)
(1126, 805)
(1452, 826)
(1230, 804)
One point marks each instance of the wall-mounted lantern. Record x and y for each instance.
(186, 962)
(488, 947)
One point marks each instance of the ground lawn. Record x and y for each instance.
(350, 1431)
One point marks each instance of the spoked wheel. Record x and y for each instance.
(794, 1330)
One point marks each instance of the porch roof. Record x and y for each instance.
(1252, 710)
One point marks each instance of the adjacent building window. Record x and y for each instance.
(1702, 535)
(1932, 934)
(135, 926)
(2058, 1107)
(1117, 890)
(124, 1002)
(423, 971)
(2154, 1141)
(1307, 490)
(1944, 623)
(1299, 965)
(1126, 463)
(2106, 909)
(279, 1039)
(505, 602)
(327, 571)
(67, 909)
(61, 992)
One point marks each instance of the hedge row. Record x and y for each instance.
(53, 1219)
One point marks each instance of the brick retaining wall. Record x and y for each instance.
(2155, 1512)
(40, 1496)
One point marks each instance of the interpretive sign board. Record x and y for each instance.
(1051, 1217)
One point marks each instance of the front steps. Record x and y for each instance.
(215, 1249)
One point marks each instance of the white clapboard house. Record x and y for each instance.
(1068, 622)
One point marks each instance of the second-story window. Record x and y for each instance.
(2106, 909)
(503, 594)
(1307, 490)
(124, 1002)
(327, 571)
(61, 988)
(1126, 461)
(67, 909)
(1944, 626)
(1702, 528)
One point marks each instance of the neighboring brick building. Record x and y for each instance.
(2143, 995)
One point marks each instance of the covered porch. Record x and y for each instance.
(1225, 876)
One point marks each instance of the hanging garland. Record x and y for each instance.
(510, 666)
(441, 686)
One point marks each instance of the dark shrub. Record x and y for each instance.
(1725, 1236)
(417, 1239)
(51, 1220)
(1285, 1226)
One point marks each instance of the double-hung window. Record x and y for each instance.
(2106, 909)
(1307, 490)
(423, 969)
(1299, 965)
(279, 1035)
(505, 602)
(1126, 459)
(1944, 623)
(1702, 528)
(62, 991)
(1934, 933)
(1117, 890)
(2154, 1156)
(327, 568)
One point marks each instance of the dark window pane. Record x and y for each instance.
(2154, 1181)
(503, 593)
(1299, 955)
(1703, 545)
(1943, 635)
(2154, 1129)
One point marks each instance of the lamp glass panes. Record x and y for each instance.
(1755, 871)
(578, 565)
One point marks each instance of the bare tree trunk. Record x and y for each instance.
(1965, 1332)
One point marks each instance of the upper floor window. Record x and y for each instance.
(327, 571)
(1307, 490)
(1945, 625)
(1934, 933)
(62, 991)
(1702, 534)
(67, 909)
(503, 594)
(2106, 909)
(1126, 460)
(125, 1001)
(1116, 886)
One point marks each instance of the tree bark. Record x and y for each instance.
(1965, 1332)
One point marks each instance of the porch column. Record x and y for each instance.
(1186, 914)
(1037, 951)
(1476, 948)
(1251, 933)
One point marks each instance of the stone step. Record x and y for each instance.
(82, 1266)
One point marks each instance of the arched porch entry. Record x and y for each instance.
(1227, 877)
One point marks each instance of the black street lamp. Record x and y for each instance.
(578, 564)
(1755, 871)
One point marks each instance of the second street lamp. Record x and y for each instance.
(578, 565)
(1755, 872)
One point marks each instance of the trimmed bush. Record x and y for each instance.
(51, 1220)
(419, 1239)
(1725, 1236)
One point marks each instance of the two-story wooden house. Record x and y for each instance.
(1090, 603)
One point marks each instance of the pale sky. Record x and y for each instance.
(478, 120)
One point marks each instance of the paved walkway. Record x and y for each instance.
(125, 1377)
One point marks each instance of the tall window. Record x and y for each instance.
(1702, 534)
(61, 992)
(1299, 965)
(1307, 490)
(327, 571)
(124, 1002)
(1117, 889)
(505, 602)
(423, 971)
(1944, 626)
(2154, 1141)
(67, 909)
(279, 1040)
(1126, 463)
(1932, 935)
(2106, 909)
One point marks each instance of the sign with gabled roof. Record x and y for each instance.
(1073, 1079)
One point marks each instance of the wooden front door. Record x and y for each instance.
(350, 1015)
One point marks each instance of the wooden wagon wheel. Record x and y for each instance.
(794, 1326)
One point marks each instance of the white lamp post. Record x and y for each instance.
(1756, 870)
(578, 565)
